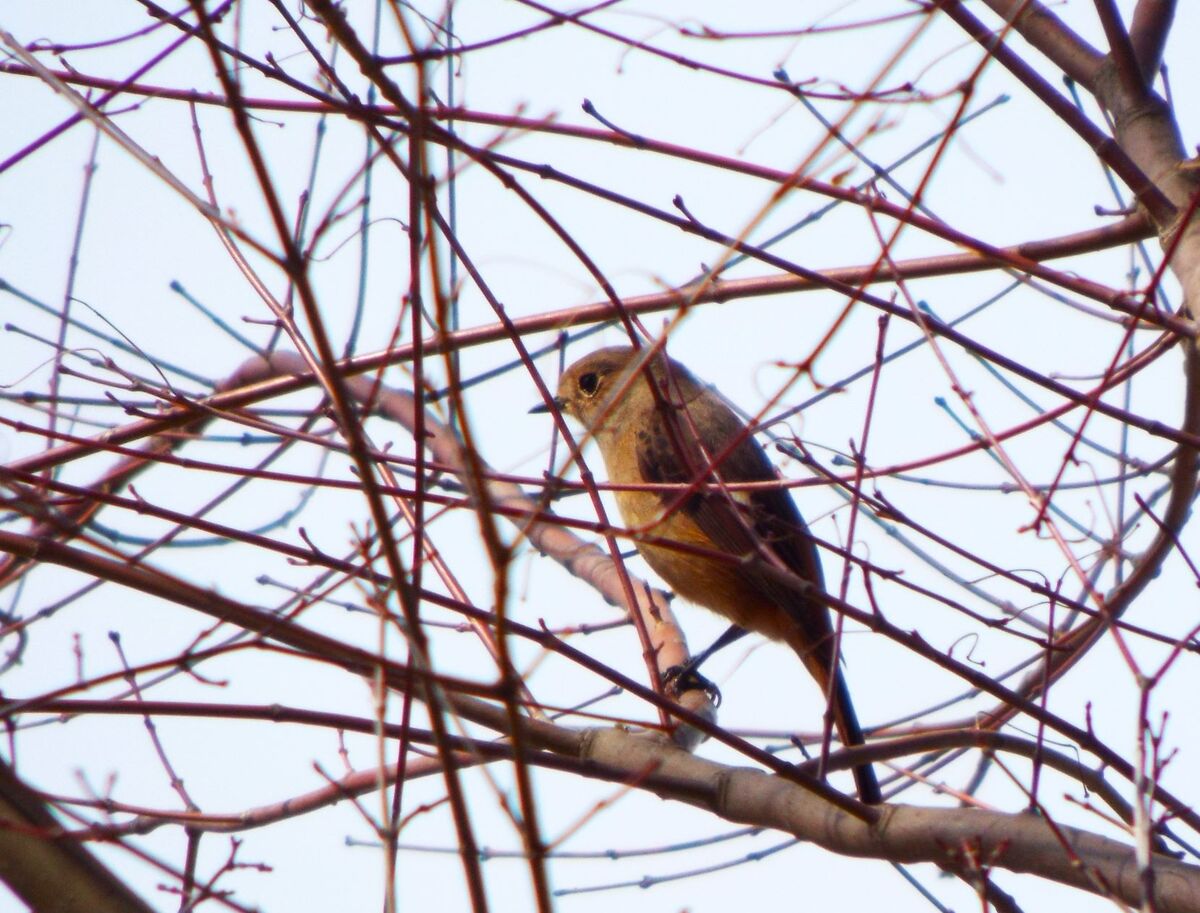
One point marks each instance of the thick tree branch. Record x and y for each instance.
(1046, 32)
(947, 837)
(1148, 34)
(1121, 50)
(1112, 154)
(950, 838)
(52, 872)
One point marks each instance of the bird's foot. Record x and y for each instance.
(679, 679)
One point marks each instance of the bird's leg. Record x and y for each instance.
(685, 677)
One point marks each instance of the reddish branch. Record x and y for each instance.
(474, 751)
(1148, 34)
(1046, 32)
(1145, 151)
(1147, 140)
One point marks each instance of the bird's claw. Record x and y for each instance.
(679, 679)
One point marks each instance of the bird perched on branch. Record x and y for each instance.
(745, 553)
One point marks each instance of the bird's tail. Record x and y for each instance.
(845, 720)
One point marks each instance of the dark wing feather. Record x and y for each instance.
(767, 524)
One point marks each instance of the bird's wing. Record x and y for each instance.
(763, 523)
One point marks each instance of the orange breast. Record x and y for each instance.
(717, 585)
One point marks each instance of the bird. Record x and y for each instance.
(735, 551)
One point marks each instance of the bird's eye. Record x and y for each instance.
(588, 383)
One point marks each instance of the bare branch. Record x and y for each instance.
(1046, 32)
(1151, 25)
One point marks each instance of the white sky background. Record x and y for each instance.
(1013, 175)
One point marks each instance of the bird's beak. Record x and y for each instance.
(542, 408)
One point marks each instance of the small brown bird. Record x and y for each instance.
(677, 432)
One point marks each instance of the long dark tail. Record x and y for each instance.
(846, 721)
